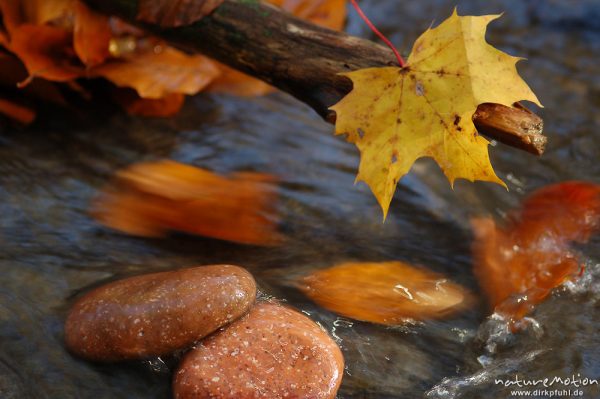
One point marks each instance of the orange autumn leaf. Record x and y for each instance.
(39, 12)
(58, 39)
(386, 293)
(46, 52)
(3, 36)
(172, 13)
(12, 16)
(159, 71)
(519, 264)
(149, 199)
(63, 32)
(327, 13)
(91, 35)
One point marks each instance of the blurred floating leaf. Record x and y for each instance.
(148, 199)
(385, 293)
(519, 264)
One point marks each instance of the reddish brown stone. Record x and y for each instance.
(273, 352)
(156, 314)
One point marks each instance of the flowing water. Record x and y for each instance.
(51, 250)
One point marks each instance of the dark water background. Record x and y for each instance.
(51, 250)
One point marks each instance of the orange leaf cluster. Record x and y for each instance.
(149, 199)
(64, 40)
(520, 263)
(385, 293)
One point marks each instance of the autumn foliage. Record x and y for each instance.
(518, 264)
(385, 293)
(150, 199)
(64, 41)
(396, 115)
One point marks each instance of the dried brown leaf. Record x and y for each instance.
(159, 71)
(46, 51)
(12, 16)
(39, 12)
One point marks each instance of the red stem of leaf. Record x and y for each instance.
(376, 31)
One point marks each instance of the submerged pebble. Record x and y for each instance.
(156, 314)
(273, 352)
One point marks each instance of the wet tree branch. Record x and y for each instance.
(304, 60)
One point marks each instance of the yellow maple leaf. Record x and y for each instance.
(396, 115)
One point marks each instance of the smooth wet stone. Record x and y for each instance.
(157, 314)
(272, 352)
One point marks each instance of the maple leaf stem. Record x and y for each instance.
(378, 33)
